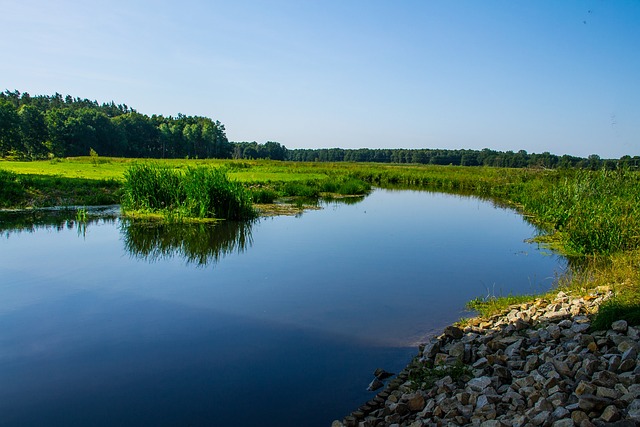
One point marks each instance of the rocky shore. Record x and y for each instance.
(539, 364)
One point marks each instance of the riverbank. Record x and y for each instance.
(536, 364)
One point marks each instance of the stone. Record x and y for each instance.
(540, 418)
(614, 363)
(482, 401)
(554, 331)
(512, 349)
(631, 353)
(589, 402)
(633, 410)
(431, 349)
(453, 332)
(560, 413)
(605, 379)
(626, 344)
(416, 403)
(627, 365)
(620, 326)
(585, 388)
(610, 414)
(566, 422)
(381, 374)
(375, 384)
(479, 384)
(562, 367)
(608, 393)
(480, 363)
(579, 328)
(578, 416)
(457, 350)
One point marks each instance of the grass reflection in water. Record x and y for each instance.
(200, 243)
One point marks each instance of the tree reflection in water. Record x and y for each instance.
(200, 244)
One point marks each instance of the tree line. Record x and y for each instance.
(44, 126)
(36, 127)
(485, 157)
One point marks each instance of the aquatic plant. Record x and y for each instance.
(199, 192)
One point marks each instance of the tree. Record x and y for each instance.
(9, 128)
(33, 131)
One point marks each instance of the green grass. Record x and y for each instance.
(487, 307)
(424, 376)
(24, 191)
(196, 192)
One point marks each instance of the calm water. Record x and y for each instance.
(280, 322)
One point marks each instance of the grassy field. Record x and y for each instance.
(593, 217)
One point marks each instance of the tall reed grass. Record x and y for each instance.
(196, 192)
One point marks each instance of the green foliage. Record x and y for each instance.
(18, 190)
(81, 215)
(625, 306)
(33, 127)
(197, 192)
(11, 189)
(263, 195)
(425, 376)
(487, 307)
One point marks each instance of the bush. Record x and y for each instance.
(198, 192)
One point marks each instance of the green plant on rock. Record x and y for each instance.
(425, 376)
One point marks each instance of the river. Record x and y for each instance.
(279, 322)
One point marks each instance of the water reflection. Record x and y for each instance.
(57, 219)
(199, 244)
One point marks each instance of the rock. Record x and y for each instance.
(536, 365)
(560, 412)
(431, 349)
(589, 402)
(540, 418)
(416, 403)
(620, 326)
(585, 388)
(479, 384)
(626, 344)
(482, 401)
(381, 374)
(578, 416)
(605, 379)
(608, 393)
(453, 332)
(633, 411)
(631, 353)
(480, 363)
(610, 414)
(375, 385)
(513, 349)
(457, 350)
(579, 328)
(562, 368)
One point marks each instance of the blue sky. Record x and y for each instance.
(557, 76)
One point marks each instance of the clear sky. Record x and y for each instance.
(557, 76)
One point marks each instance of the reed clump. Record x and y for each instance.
(195, 192)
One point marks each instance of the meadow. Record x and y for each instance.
(592, 217)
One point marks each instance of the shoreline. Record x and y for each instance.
(536, 364)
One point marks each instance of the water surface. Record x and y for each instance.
(278, 322)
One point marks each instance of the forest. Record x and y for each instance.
(47, 126)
